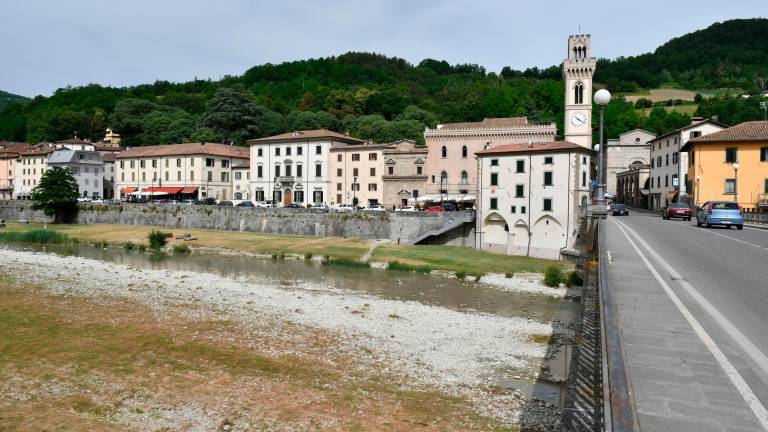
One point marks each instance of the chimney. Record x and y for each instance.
(696, 119)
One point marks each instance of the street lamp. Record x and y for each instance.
(354, 192)
(736, 183)
(602, 97)
(698, 181)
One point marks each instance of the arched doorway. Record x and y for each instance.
(287, 196)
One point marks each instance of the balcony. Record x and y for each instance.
(285, 179)
(762, 200)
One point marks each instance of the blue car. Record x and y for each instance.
(723, 213)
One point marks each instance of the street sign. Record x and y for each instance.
(594, 182)
(675, 181)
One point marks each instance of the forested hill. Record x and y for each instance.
(381, 98)
(7, 99)
(728, 54)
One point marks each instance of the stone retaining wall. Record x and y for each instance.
(395, 226)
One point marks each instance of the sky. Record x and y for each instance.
(45, 45)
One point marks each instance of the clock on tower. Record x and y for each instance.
(578, 69)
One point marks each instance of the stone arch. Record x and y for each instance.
(496, 233)
(578, 93)
(547, 237)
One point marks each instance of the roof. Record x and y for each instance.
(12, 149)
(539, 147)
(742, 132)
(74, 140)
(363, 145)
(39, 149)
(68, 156)
(108, 157)
(212, 149)
(677, 131)
(244, 165)
(108, 148)
(489, 123)
(306, 135)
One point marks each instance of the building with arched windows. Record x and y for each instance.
(631, 148)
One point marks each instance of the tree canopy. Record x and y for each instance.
(56, 194)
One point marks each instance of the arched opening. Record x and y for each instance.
(287, 197)
(443, 177)
(463, 151)
(238, 195)
(464, 178)
(578, 93)
(444, 152)
(496, 233)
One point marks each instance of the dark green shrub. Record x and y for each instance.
(129, 245)
(573, 278)
(180, 249)
(509, 275)
(460, 275)
(345, 262)
(39, 236)
(141, 247)
(308, 256)
(553, 276)
(398, 266)
(157, 239)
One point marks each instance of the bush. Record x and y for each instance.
(573, 278)
(509, 275)
(460, 275)
(157, 239)
(553, 276)
(398, 266)
(129, 245)
(180, 249)
(308, 256)
(39, 236)
(345, 262)
(141, 247)
(643, 103)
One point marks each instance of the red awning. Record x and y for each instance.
(128, 190)
(189, 190)
(168, 190)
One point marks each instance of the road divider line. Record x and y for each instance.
(733, 375)
(732, 238)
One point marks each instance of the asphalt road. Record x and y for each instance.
(726, 268)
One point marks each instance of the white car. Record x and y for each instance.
(376, 208)
(83, 199)
(344, 208)
(409, 209)
(320, 206)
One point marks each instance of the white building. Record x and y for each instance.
(294, 167)
(531, 197)
(668, 165)
(86, 166)
(631, 149)
(241, 181)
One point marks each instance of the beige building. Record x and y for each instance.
(532, 197)
(241, 182)
(30, 167)
(405, 178)
(9, 155)
(451, 167)
(356, 174)
(192, 170)
(295, 167)
(632, 185)
(630, 149)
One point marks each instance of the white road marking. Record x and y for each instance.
(738, 381)
(610, 258)
(732, 238)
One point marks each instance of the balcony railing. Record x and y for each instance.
(285, 179)
(762, 200)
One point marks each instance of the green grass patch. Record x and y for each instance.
(38, 236)
(181, 249)
(345, 262)
(398, 266)
(553, 275)
(157, 239)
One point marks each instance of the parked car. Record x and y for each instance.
(320, 206)
(344, 208)
(225, 204)
(677, 210)
(188, 202)
(723, 213)
(435, 209)
(295, 205)
(375, 207)
(410, 209)
(620, 210)
(245, 204)
(83, 199)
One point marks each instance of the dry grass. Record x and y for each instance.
(71, 363)
(662, 94)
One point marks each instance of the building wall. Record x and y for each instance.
(475, 140)
(178, 171)
(7, 168)
(520, 225)
(631, 147)
(578, 69)
(241, 184)
(29, 171)
(87, 169)
(708, 163)
(405, 178)
(313, 153)
(356, 172)
(629, 186)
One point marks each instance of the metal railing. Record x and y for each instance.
(620, 409)
(756, 216)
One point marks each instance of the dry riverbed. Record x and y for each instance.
(102, 346)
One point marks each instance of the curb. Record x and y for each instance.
(756, 226)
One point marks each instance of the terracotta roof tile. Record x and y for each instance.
(539, 147)
(312, 135)
(74, 140)
(747, 131)
(489, 123)
(185, 149)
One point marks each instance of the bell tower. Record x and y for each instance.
(578, 69)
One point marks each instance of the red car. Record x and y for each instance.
(675, 210)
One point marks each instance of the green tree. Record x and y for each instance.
(56, 195)
(234, 117)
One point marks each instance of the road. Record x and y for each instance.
(693, 310)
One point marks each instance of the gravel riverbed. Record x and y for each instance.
(462, 352)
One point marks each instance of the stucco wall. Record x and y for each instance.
(394, 226)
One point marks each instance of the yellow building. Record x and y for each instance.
(730, 165)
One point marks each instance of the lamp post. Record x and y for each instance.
(736, 183)
(602, 97)
(354, 192)
(698, 181)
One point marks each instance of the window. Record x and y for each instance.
(141, 163)
(319, 173)
(225, 177)
(372, 156)
(520, 166)
(494, 179)
(224, 163)
(209, 162)
(578, 93)
(463, 151)
(355, 172)
(259, 195)
(730, 155)
(143, 176)
(765, 186)
(277, 170)
(178, 175)
(338, 157)
(652, 162)
(763, 154)
(259, 171)
(373, 172)
(298, 196)
(695, 134)
(299, 169)
(522, 209)
(122, 164)
(494, 162)
(651, 182)
(513, 209)
(666, 181)
(288, 170)
(548, 160)
(730, 186)
(666, 162)
(465, 177)
(166, 176)
(583, 179)
(675, 157)
(319, 150)
(418, 170)
(154, 162)
(192, 162)
(444, 152)
(338, 172)
(443, 177)
(494, 203)
(338, 198)
(355, 157)
(584, 160)
(355, 186)
(391, 170)
(178, 163)
(658, 161)
(277, 151)
(259, 153)
(519, 191)
(287, 151)
(299, 150)
(338, 186)
(547, 204)
(372, 187)
(192, 175)
(547, 178)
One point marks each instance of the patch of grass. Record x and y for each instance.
(141, 247)
(553, 275)
(181, 249)
(129, 245)
(38, 236)
(345, 262)
(460, 275)
(509, 275)
(398, 266)
(157, 239)
(308, 256)
(573, 278)
(539, 338)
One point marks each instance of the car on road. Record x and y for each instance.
(319, 206)
(294, 205)
(245, 204)
(225, 204)
(620, 210)
(407, 209)
(677, 210)
(446, 207)
(376, 208)
(725, 213)
(344, 208)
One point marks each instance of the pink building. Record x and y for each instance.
(9, 153)
(452, 167)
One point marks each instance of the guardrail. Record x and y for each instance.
(756, 217)
(620, 410)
